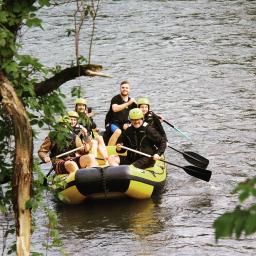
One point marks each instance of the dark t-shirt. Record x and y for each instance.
(120, 117)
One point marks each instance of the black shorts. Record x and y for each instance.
(59, 167)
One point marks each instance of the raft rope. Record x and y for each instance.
(104, 182)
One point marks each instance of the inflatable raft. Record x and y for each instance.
(110, 182)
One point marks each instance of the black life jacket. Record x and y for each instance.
(139, 140)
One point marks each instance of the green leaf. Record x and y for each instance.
(2, 42)
(34, 22)
(44, 3)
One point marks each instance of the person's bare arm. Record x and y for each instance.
(117, 108)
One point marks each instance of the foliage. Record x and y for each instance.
(242, 219)
(24, 72)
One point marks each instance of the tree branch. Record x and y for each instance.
(65, 75)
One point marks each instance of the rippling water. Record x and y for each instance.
(196, 61)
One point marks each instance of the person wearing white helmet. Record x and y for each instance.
(50, 148)
(141, 137)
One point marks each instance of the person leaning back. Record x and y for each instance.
(117, 117)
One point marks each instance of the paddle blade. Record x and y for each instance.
(198, 172)
(196, 159)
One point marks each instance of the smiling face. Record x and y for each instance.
(80, 108)
(125, 89)
(73, 121)
(144, 108)
(137, 123)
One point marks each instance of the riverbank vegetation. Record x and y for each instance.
(30, 96)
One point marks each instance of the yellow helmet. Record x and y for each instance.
(73, 114)
(136, 113)
(80, 101)
(143, 101)
(63, 119)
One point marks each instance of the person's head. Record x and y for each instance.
(63, 120)
(73, 116)
(80, 105)
(143, 105)
(136, 117)
(124, 88)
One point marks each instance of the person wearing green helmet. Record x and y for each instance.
(117, 117)
(142, 137)
(150, 117)
(51, 147)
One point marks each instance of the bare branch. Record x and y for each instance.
(65, 75)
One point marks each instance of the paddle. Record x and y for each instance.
(58, 156)
(193, 158)
(177, 129)
(191, 170)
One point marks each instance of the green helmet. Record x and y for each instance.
(63, 119)
(136, 113)
(73, 114)
(143, 101)
(80, 101)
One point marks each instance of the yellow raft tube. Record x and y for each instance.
(107, 182)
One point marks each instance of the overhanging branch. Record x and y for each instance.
(65, 75)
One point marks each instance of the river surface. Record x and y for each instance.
(196, 62)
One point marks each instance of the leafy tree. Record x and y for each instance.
(29, 96)
(242, 219)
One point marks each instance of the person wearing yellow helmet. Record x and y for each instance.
(150, 117)
(85, 121)
(117, 117)
(52, 146)
(142, 137)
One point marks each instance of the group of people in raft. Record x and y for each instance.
(128, 123)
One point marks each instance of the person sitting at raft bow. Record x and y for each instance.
(51, 147)
(141, 137)
(117, 117)
(93, 145)
(150, 117)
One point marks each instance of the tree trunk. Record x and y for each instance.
(22, 165)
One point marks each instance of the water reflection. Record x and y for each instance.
(90, 219)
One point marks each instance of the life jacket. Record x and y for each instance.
(77, 129)
(57, 150)
(149, 118)
(139, 140)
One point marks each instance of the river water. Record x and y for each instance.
(196, 61)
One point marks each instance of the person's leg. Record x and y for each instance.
(116, 132)
(70, 166)
(144, 162)
(94, 147)
(88, 161)
(102, 150)
(114, 160)
(114, 137)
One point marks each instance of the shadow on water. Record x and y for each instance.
(123, 215)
